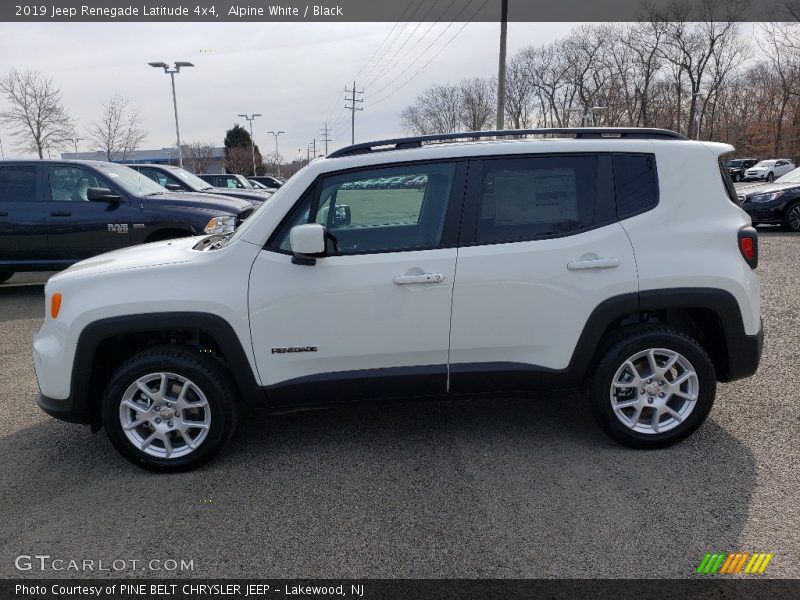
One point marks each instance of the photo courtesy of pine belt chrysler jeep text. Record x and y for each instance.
(424, 267)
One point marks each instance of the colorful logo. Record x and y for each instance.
(732, 563)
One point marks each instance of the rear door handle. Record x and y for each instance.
(61, 213)
(423, 278)
(595, 263)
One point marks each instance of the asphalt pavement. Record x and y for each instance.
(483, 488)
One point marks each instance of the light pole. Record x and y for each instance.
(586, 115)
(277, 156)
(2, 153)
(75, 141)
(250, 120)
(171, 72)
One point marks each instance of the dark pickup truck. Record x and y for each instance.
(56, 213)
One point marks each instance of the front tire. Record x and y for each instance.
(652, 388)
(169, 409)
(770, 177)
(791, 218)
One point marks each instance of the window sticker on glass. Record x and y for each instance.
(536, 196)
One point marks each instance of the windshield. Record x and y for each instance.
(765, 163)
(790, 177)
(735, 163)
(132, 181)
(193, 180)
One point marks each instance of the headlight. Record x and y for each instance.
(221, 224)
(766, 197)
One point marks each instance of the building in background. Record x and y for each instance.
(164, 156)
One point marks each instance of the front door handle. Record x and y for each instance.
(595, 263)
(423, 278)
(61, 213)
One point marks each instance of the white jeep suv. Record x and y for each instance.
(578, 258)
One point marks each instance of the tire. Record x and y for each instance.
(736, 177)
(646, 395)
(770, 177)
(5, 275)
(210, 396)
(791, 217)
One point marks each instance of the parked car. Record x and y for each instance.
(769, 170)
(257, 185)
(775, 203)
(737, 166)
(583, 262)
(56, 213)
(176, 179)
(268, 181)
(232, 182)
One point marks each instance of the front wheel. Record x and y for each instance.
(791, 220)
(169, 409)
(653, 388)
(771, 177)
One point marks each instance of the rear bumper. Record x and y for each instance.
(744, 355)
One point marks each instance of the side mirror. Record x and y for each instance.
(307, 243)
(343, 217)
(97, 194)
(173, 187)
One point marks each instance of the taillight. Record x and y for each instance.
(748, 246)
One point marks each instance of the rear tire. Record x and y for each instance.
(642, 405)
(5, 276)
(169, 409)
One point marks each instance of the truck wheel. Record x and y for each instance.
(169, 409)
(653, 388)
(5, 276)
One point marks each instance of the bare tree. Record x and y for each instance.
(239, 159)
(37, 118)
(436, 110)
(478, 103)
(117, 133)
(197, 156)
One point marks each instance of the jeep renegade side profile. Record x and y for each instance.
(578, 258)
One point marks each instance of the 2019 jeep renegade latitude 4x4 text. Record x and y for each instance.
(578, 259)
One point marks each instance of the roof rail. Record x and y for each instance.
(576, 132)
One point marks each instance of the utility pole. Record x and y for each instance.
(277, 154)
(353, 108)
(501, 69)
(326, 136)
(250, 120)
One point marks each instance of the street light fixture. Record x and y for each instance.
(277, 155)
(171, 72)
(250, 120)
(586, 115)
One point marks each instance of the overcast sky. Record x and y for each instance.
(293, 74)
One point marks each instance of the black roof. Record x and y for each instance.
(573, 132)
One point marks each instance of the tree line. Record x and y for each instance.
(673, 70)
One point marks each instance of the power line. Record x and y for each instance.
(394, 63)
(425, 51)
(423, 67)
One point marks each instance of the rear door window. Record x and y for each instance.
(18, 184)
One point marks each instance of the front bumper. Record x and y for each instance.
(63, 410)
(767, 213)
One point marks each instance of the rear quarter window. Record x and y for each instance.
(635, 184)
(727, 183)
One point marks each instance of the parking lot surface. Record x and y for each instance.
(484, 488)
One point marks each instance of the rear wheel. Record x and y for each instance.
(5, 275)
(169, 409)
(791, 218)
(653, 388)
